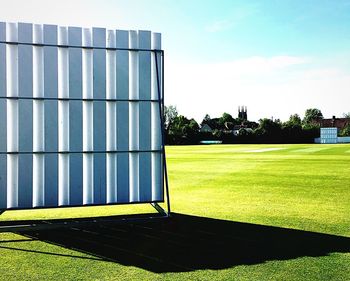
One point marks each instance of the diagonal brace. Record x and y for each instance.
(160, 210)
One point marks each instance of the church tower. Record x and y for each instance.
(242, 113)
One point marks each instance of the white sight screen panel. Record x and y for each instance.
(329, 135)
(79, 116)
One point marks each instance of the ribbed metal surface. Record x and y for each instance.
(79, 116)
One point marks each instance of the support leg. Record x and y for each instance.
(161, 116)
(159, 209)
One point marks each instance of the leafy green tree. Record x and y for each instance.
(225, 118)
(226, 121)
(294, 120)
(206, 119)
(345, 132)
(217, 134)
(170, 113)
(346, 115)
(183, 131)
(269, 126)
(244, 132)
(250, 124)
(312, 115)
(239, 121)
(192, 128)
(269, 131)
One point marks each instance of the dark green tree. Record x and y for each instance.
(206, 119)
(225, 118)
(294, 120)
(183, 131)
(214, 123)
(244, 132)
(292, 129)
(217, 134)
(312, 115)
(345, 132)
(226, 121)
(269, 131)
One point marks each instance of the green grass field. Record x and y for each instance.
(269, 188)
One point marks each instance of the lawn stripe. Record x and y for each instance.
(310, 149)
(265, 149)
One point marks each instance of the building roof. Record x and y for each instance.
(206, 128)
(339, 123)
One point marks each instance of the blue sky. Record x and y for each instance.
(276, 57)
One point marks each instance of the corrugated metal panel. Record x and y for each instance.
(111, 119)
(25, 118)
(75, 116)
(38, 118)
(99, 116)
(51, 116)
(157, 175)
(145, 116)
(3, 119)
(122, 91)
(71, 146)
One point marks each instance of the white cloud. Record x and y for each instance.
(276, 86)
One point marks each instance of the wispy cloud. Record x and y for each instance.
(220, 25)
(233, 19)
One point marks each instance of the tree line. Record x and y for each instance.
(226, 129)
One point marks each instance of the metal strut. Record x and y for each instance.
(161, 116)
(160, 210)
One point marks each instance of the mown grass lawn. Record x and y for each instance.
(301, 187)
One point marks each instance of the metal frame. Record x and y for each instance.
(165, 186)
(31, 225)
(77, 152)
(161, 113)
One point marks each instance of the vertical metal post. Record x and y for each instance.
(161, 116)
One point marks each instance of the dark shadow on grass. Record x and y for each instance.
(16, 240)
(186, 243)
(49, 253)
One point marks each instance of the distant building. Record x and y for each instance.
(242, 113)
(334, 122)
(206, 129)
(213, 125)
(236, 129)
